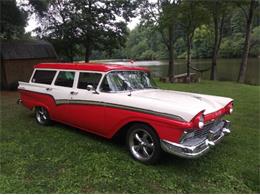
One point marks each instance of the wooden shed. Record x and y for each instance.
(19, 57)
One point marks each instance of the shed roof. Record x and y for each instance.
(33, 49)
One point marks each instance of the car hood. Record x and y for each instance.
(182, 104)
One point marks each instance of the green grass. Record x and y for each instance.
(62, 159)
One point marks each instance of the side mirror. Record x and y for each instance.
(90, 87)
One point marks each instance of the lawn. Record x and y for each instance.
(62, 159)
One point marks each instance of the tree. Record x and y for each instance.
(13, 20)
(191, 16)
(97, 25)
(219, 11)
(202, 42)
(163, 15)
(249, 12)
(145, 43)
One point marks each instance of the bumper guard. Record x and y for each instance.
(196, 147)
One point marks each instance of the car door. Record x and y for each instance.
(61, 90)
(87, 111)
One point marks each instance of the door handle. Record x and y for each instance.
(48, 89)
(74, 93)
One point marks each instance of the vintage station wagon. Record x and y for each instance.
(109, 100)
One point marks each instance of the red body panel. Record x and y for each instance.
(215, 115)
(106, 121)
(102, 120)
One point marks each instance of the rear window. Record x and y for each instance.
(65, 79)
(86, 79)
(43, 76)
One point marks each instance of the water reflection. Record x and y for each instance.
(227, 69)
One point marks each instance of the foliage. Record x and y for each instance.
(191, 15)
(163, 16)
(62, 159)
(81, 29)
(93, 24)
(249, 9)
(237, 22)
(232, 46)
(180, 48)
(144, 43)
(12, 20)
(255, 42)
(202, 42)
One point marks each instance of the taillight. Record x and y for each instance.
(198, 121)
(229, 108)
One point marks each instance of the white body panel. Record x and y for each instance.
(181, 104)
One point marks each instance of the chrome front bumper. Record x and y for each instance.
(196, 147)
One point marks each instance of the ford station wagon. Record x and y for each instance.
(109, 100)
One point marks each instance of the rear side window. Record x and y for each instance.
(65, 79)
(43, 76)
(86, 79)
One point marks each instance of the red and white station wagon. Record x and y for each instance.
(111, 99)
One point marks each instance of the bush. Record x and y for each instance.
(232, 46)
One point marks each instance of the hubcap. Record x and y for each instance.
(41, 115)
(141, 144)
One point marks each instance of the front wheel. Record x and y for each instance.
(143, 144)
(42, 116)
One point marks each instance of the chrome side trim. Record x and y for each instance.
(97, 103)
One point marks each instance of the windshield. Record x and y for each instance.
(127, 80)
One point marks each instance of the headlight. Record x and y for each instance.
(229, 108)
(198, 121)
(201, 121)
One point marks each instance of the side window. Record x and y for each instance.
(105, 86)
(86, 79)
(43, 76)
(65, 79)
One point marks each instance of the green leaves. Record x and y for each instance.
(13, 20)
(96, 25)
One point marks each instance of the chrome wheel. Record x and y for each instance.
(42, 116)
(141, 144)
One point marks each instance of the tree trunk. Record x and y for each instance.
(189, 38)
(213, 73)
(87, 53)
(243, 65)
(3, 84)
(171, 56)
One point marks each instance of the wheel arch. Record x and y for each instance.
(122, 131)
(40, 105)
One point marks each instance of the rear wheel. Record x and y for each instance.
(42, 116)
(143, 144)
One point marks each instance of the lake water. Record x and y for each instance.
(227, 69)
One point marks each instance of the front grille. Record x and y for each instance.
(200, 133)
